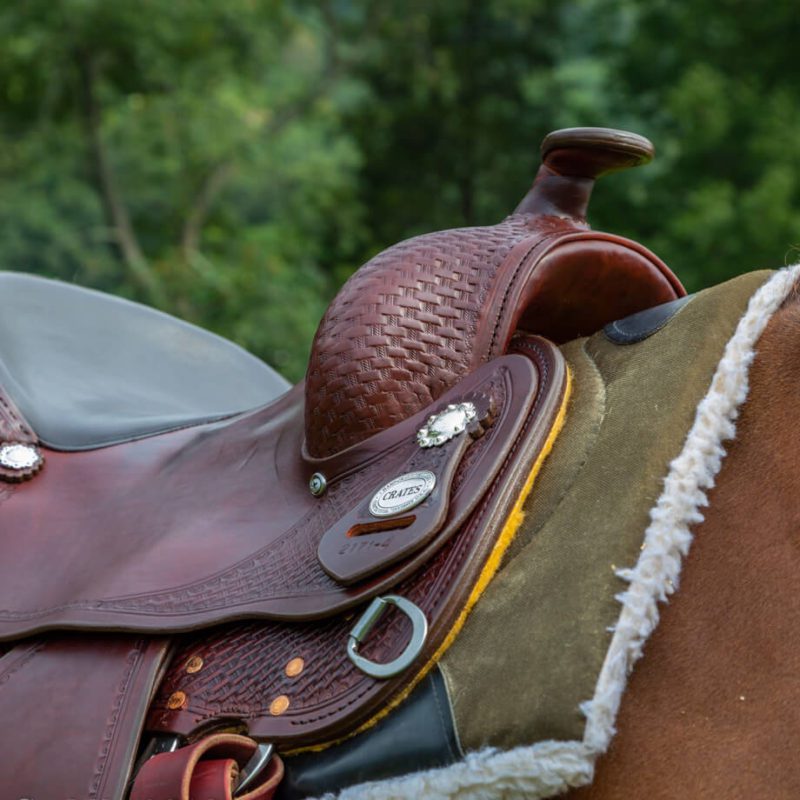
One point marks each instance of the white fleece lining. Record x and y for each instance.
(549, 768)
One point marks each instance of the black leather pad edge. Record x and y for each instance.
(88, 370)
(638, 327)
(418, 734)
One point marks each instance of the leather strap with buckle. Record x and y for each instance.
(223, 766)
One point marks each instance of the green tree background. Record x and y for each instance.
(234, 162)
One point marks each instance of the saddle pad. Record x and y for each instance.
(88, 369)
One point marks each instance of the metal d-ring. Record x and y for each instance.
(419, 632)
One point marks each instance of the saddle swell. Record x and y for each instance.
(258, 551)
(424, 313)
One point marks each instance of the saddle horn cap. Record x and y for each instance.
(594, 152)
(572, 160)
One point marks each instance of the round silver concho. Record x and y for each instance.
(18, 456)
(402, 493)
(446, 425)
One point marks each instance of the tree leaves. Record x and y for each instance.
(234, 162)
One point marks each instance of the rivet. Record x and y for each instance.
(318, 484)
(279, 705)
(194, 664)
(176, 700)
(294, 667)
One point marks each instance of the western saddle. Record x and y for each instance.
(193, 580)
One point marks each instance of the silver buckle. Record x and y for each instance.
(419, 632)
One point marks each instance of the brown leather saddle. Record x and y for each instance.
(183, 564)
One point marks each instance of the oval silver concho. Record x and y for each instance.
(17, 456)
(446, 425)
(402, 493)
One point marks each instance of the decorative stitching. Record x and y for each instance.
(17, 665)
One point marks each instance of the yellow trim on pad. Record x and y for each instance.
(510, 528)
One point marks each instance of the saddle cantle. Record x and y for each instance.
(204, 569)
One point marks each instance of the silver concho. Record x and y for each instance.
(446, 425)
(402, 493)
(18, 456)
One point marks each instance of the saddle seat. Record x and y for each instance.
(88, 370)
(240, 554)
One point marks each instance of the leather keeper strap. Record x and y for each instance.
(206, 770)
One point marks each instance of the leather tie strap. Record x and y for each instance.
(206, 770)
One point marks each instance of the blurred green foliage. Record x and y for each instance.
(233, 162)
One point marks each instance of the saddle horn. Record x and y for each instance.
(572, 160)
(422, 314)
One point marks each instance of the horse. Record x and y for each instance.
(429, 569)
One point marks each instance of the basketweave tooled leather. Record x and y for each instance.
(284, 578)
(13, 427)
